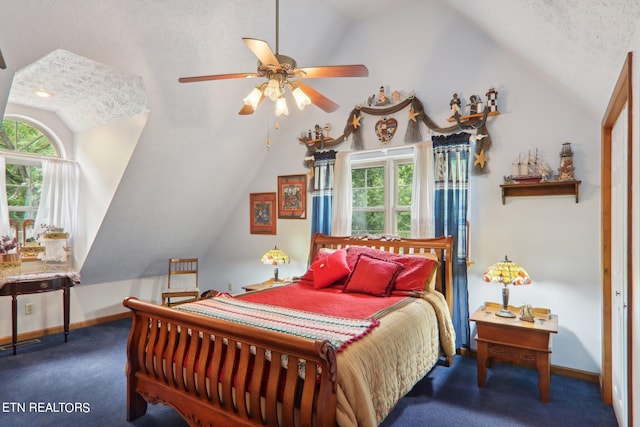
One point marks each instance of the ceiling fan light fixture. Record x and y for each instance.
(301, 98)
(277, 69)
(254, 97)
(273, 89)
(281, 106)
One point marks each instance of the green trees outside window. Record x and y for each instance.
(381, 198)
(24, 146)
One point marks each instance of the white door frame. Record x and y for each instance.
(621, 98)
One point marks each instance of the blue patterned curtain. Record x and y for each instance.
(451, 155)
(321, 191)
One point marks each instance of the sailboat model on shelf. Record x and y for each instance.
(528, 169)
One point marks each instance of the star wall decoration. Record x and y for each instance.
(413, 114)
(481, 159)
(355, 122)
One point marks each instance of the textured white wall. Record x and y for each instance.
(103, 153)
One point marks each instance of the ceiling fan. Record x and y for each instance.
(279, 70)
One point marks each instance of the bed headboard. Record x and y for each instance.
(441, 246)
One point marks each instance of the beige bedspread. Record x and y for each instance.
(373, 374)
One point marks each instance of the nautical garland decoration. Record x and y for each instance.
(416, 114)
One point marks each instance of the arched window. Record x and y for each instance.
(24, 145)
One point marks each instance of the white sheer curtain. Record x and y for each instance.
(422, 196)
(341, 205)
(59, 198)
(5, 229)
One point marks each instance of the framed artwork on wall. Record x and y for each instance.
(262, 213)
(292, 196)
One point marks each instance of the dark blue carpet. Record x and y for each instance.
(82, 383)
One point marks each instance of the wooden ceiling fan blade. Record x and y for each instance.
(248, 108)
(357, 70)
(217, 77)
(261, 49)
(317, 98)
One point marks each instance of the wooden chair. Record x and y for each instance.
(177, 278)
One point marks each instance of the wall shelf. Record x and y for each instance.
(549, 188)
(473, 116)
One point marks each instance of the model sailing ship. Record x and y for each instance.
(528, 169)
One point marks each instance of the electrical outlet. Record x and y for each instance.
(28, 308)
(230, 286)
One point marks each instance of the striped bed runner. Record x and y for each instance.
(339, 331)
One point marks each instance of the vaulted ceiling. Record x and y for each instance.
(577, 42)
(111, 59)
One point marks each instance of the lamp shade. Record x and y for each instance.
(254, 97)
(281, 106)
(275, 256)
(273, 90)
(506, 272)
(301, 98)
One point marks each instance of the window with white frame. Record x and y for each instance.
(24, 146)
(381, 196)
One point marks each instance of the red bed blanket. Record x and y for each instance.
(329, 301)
(301, 310)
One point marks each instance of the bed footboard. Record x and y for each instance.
(217, 373)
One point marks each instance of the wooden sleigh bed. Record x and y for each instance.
(215, 372)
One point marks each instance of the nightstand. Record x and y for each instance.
(259, 286)
(515, 340)
(266, 284)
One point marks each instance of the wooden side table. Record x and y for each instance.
(34, 284)
(258, 286)
(515, 340)
(266, 284)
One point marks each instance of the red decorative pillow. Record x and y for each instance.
(322, 253)
(329, 269)
(431, 280)
(417, 271)
(372, 276)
